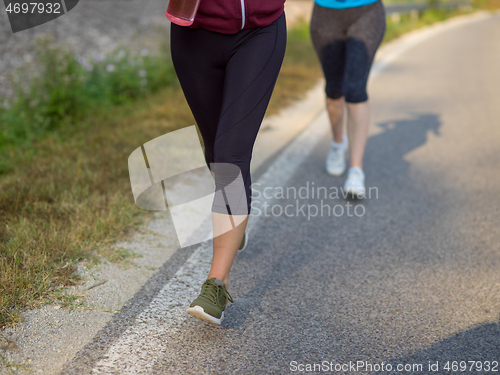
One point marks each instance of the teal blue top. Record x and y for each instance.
(343, 4)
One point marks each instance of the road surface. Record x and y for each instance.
(406, 278)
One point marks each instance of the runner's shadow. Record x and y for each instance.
(481, 343)
(386, 168)
(385, 152)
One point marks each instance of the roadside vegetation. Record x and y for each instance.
(399, 24)
(65, 138)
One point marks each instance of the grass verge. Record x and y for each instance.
(398, 25)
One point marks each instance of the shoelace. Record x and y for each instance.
(211, 291)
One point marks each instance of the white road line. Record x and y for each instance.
(136, 351)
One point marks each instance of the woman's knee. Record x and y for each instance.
(355, 94)
(226, 168)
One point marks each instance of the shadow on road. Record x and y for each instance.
(481, 343)
(386, 169)
(385, 152)
(280, 249)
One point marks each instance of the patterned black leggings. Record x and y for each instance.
(346, 41)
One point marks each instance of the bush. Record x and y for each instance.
(122, 76)
(59, 89)
(48, 93)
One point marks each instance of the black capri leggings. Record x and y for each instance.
(346, 41)
(228, 80)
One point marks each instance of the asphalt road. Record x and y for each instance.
(409, 276)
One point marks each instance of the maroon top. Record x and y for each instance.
(227, 17)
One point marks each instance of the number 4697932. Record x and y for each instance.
(34, 8)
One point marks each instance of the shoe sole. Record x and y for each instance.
(355, 193)
(199, 313)
(335, 174)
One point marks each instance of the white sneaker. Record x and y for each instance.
(355, 183)
(335, 161)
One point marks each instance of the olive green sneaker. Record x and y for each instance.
(243, 242)
(210, 304)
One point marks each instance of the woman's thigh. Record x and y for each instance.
(346, 41)
(363, 39)
(228, 81)
(199, 62)
(254, 61)
(328, 33)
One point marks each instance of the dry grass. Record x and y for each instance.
(300, 71)
(487, 4)
(69, 199)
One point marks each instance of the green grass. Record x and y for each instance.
(58, 90)
(408, 22)
(13, 367)
(399, 25)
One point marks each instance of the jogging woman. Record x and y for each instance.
(227, 63)
(346, 35)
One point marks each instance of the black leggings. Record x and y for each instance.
(228, 80)
(346, 41)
